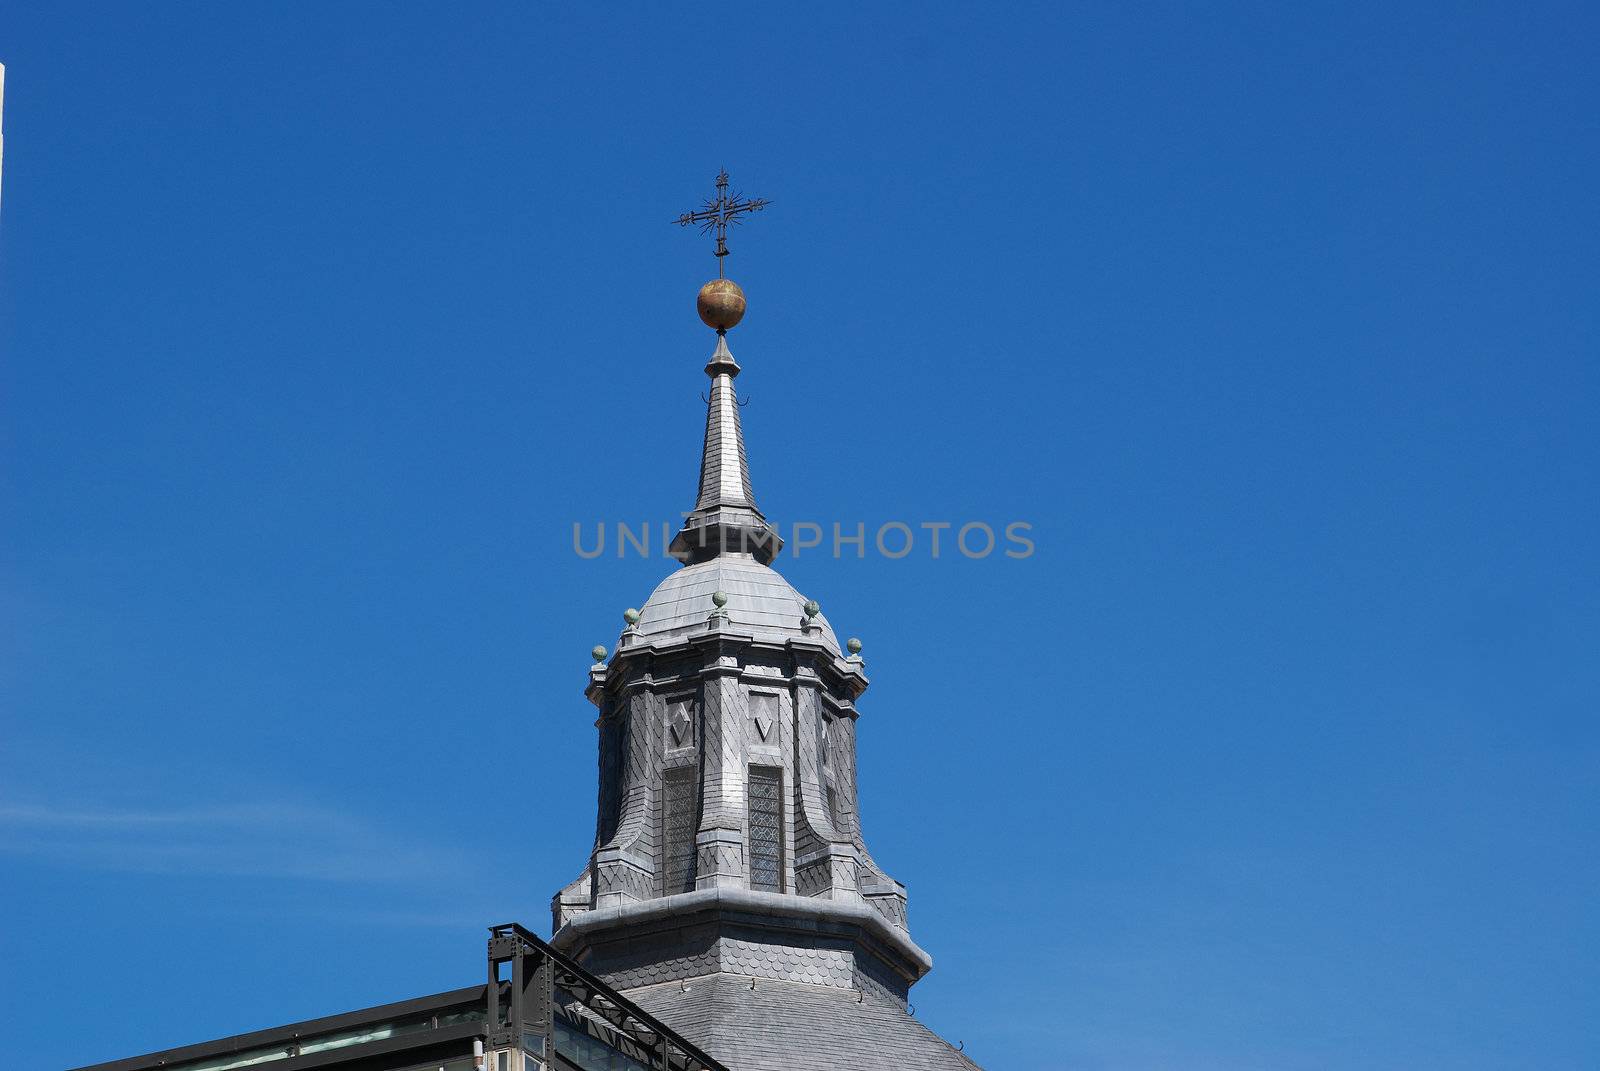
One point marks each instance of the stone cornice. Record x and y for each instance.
(633, 666)
(772, 909)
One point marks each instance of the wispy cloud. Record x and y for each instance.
(252, 839)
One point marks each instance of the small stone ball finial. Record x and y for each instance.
(812, 608)
(718, 599)
(631, 616)
(853, 645)
(598, 654)
(720, 304)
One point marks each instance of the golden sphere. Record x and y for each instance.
(720, 304)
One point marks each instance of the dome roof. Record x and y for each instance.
(759, 601)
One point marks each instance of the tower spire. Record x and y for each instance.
(728, 848)
(724, 470)
(725, 518)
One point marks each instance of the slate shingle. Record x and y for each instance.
(789, 1026)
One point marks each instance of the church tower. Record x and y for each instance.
(730, 890)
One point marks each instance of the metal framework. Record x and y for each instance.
(537, 1001)
(540, 977)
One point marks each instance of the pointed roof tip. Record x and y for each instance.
(725, 518)
(722, 361)
(724, 472)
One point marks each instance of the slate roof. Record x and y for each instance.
(724, 471)
(790, 1026)
(760, 601)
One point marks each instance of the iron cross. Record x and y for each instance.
(721, 211)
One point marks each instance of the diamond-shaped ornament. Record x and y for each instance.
(763, 725)
(680, 724)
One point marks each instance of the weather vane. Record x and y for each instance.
(720, 212)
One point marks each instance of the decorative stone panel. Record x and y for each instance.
(680, 723)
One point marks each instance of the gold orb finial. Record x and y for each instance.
(720, 304)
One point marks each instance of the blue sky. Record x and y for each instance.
(322, 325)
